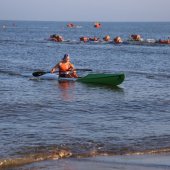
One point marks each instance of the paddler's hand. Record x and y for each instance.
(52, 70)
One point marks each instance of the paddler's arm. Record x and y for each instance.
(71, 67)
(55, 68)
(72, 71)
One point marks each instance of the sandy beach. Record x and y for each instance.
(129, 162)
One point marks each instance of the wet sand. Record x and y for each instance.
(129, 162)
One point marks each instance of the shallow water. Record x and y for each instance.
(40, 116)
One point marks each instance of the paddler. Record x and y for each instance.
(106, 38)
(65, 67)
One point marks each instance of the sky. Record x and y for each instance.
(86, 10)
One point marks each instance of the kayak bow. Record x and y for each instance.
(104, 79)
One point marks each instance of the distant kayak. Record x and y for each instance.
(109, 79)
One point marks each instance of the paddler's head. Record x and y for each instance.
(66, 58)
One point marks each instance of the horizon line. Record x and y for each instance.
(29, 20)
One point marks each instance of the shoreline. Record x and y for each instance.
(124, 162)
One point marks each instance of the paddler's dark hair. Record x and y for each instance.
(65, 56)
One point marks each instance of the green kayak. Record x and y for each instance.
(103, 79)
(110, 79)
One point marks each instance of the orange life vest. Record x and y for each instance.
(63, 67)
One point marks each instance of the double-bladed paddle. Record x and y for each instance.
(40, 73)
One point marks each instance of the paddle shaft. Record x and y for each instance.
(40, 73)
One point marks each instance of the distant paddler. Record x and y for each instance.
(70, 25)
(118, 40)
(164, 41)
(107, 38)
(84, 39)
(95, 39)
(97, 25)
(56, 38)
(136, 37)
(65, 67)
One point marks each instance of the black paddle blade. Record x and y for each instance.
(39, 73)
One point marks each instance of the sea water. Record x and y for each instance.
(39, 119)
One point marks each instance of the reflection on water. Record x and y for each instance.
(101, 86)
(66, 90)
